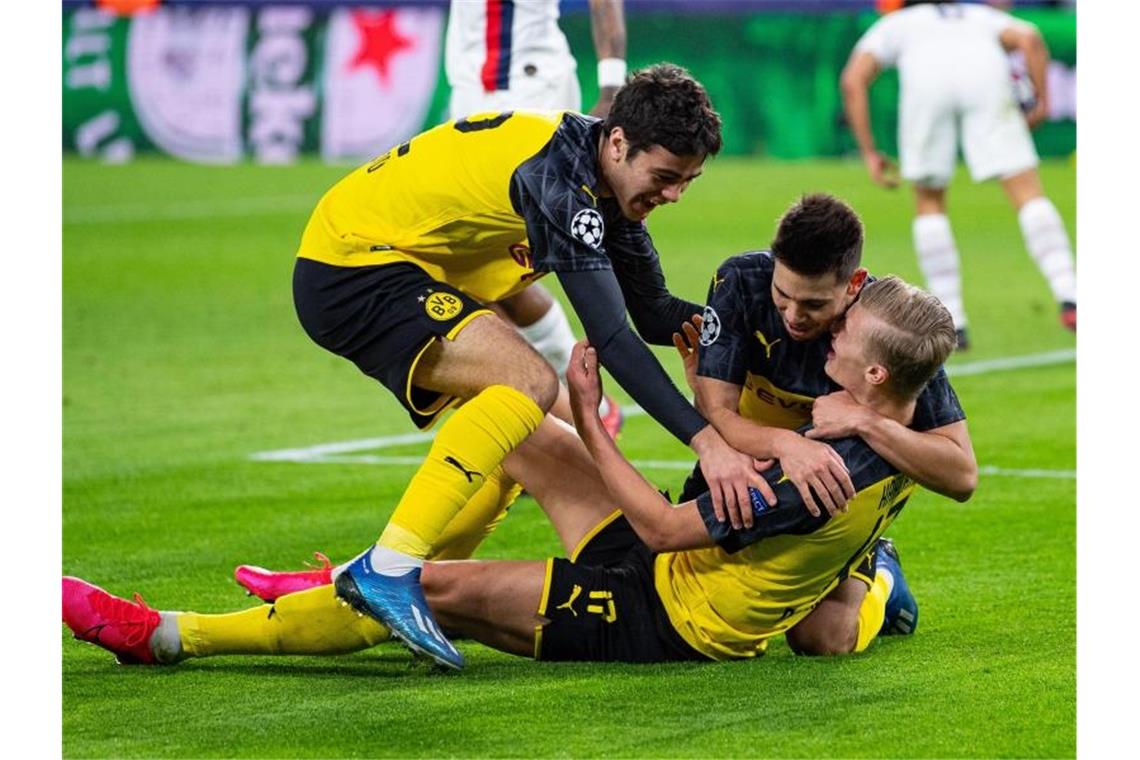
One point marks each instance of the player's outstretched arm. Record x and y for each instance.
(862, 69)
(597, 299)
(941, 459)
(607, 25)
(660, 525)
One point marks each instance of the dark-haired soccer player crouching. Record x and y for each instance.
(651, 583)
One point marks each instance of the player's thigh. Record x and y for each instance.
(928, 141)
(496, 602)
(557, 470)
(485, 352)
(995, 138)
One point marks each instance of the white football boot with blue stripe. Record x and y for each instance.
(397, 602)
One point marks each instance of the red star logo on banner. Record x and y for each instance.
(379, 41)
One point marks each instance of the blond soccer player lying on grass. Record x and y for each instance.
(646, 582)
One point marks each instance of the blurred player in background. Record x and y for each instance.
(955, 85)
(502, 55)
(651, 583)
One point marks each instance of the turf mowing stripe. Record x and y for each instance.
(149, 212)
(325, 452)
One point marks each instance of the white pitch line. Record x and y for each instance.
(196, 209)
(325, 451)
(986, 366)
(645, 464)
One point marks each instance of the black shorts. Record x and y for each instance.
(603, 606)
(382, 318)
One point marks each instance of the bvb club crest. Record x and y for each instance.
(443, 306)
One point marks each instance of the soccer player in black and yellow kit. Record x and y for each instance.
(400, 257)
(764, 342)
(649, 584)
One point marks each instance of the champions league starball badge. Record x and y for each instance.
(587, 226)
(710, 326)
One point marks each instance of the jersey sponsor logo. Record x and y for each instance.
(442, 306)
(587, 226)
(710, 326)
(766, 343)
(762, 401)
(608, 610)
(717, 280)
(569, 603)
(589, 192)
(459, 466)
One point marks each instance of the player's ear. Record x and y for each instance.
(616, 144)
(855, 284)
(876, 375)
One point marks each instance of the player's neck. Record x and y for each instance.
(602, 187)
(885, 404)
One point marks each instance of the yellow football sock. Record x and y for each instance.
(307, 622)
(873, 611)
(479, 516)
(471, 444)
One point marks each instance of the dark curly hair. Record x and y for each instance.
(663, 105)
(819, 234)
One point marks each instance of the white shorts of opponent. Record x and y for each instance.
(985, 120)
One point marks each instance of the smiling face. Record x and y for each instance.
(648, 179)
(810, 304)
(847, 362)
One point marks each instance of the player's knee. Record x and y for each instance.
(823, 640)
(540, 383)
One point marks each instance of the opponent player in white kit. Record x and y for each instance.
(954, 76)
(507, 54)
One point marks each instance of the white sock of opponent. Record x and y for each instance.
(938, 260)
(1048, 244)
(551, 337)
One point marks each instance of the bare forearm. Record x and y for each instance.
(1036, 65)
(644, 507)
(936, 462)
(607, 24)
(857, 108)
(759, 441)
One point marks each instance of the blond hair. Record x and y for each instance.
(913, 337)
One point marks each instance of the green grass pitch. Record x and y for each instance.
(183, 357)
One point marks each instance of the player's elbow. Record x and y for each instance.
(966, 484)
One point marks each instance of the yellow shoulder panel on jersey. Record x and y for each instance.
(440, 201)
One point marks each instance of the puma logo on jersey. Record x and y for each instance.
(569, 603)
(767, 346)
(466, 473)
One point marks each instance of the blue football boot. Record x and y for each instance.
(398, 602)
(902, 609)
